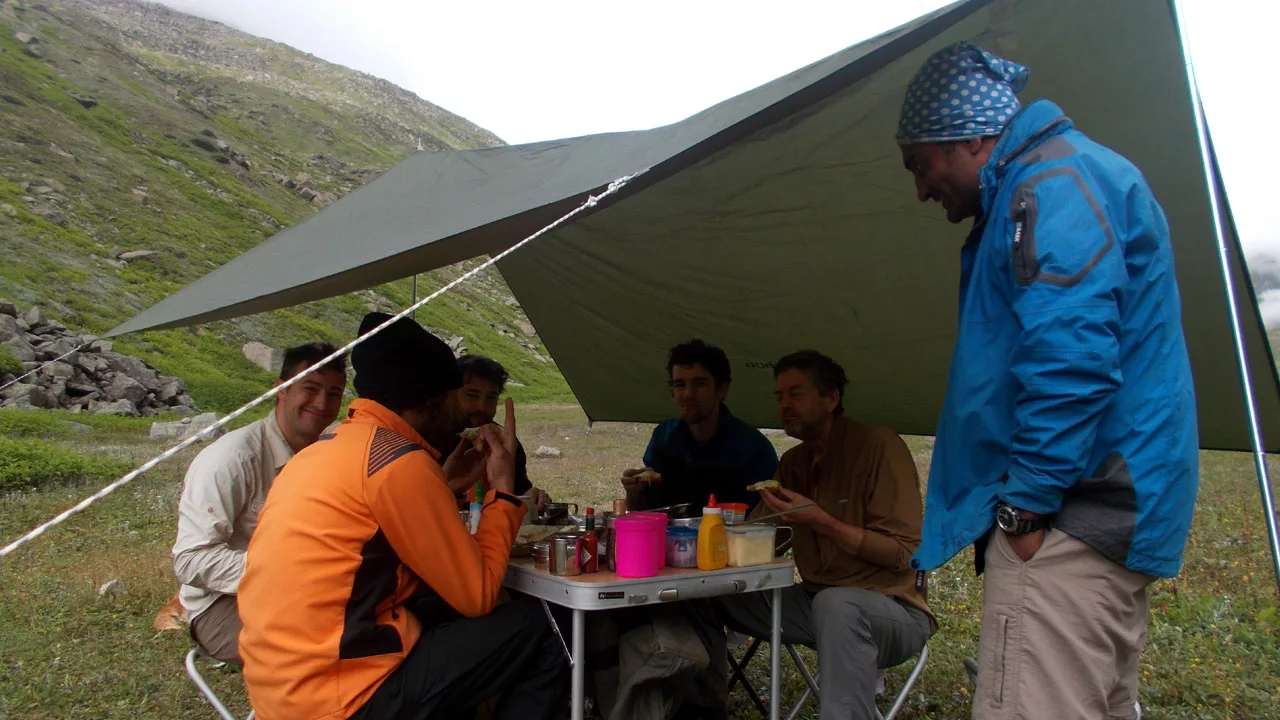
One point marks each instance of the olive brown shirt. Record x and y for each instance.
(871, 468)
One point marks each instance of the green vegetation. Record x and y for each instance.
(9, 363)
(1213, 648)
(153, 126)
(58, 423)
(30, 463)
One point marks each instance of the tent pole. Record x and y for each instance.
(415, 295)
(1255, 432)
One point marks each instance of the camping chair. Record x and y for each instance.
(737, 670)
(199, 654)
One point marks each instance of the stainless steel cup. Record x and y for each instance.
(566, 555)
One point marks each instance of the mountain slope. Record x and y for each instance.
(127, 127)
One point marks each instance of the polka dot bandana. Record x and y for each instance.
(962, 92)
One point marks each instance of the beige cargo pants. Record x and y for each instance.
(1061, 633)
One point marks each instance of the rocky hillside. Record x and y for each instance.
(140, 148)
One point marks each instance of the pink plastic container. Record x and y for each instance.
(659, 521)
(634, 543)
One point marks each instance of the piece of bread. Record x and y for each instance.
(765, 485)
(470, 433)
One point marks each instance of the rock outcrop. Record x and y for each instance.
(92, 376)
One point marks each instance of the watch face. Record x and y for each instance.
(1007, 518)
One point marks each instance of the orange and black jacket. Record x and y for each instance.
(355, 527)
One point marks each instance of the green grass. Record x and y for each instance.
(31, 463)
(56, 423)
(9, 363)
(1213, 648)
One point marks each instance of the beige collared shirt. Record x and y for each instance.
(223, 492)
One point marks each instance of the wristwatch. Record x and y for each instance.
(1017, 522)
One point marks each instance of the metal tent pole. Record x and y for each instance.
(1255, 432)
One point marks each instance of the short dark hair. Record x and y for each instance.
(826, 374)
(301, 357)
(484, 368)
(697, 352)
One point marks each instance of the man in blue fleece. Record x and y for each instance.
(1067, 447)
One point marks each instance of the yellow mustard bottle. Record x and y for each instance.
(713, 551)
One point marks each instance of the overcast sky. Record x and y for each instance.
(543, 70)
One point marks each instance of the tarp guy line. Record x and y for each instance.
(591, 202)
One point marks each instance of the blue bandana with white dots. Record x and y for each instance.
(962, 92)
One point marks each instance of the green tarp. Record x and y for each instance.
(777, 220)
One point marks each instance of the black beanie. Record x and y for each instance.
(403, 366)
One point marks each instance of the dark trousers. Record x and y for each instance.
(511, 653)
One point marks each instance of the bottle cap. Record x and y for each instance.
(711, 511)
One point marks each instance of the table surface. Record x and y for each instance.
(604, 590)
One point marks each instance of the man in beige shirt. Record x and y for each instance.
(227, 484)
(857, 515)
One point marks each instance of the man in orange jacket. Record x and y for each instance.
(364, 595)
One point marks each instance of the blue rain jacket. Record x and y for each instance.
(1070, 388)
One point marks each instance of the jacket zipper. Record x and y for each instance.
(1023, 266)
(1018, 218)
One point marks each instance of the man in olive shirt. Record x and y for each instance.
(859, 603)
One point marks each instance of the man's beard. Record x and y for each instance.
(799, 430)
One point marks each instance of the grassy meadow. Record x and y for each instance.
(1213, 651)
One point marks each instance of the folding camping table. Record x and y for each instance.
(606, 591)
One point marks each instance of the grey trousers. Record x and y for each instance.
(217, 630)
(856, 632)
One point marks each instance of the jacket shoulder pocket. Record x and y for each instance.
(1060, 230)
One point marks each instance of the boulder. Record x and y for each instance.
(8, 209)
(57, 392)
(21, 349)
(78, 428)
(308, 194)
(8, 308)
(545, 451)
(140, 195)
(61, 346)
(60, 369)
(185, 428)
(138, 255)
(124, 387)
(119, 407)
(33, 317)
(112, 588)
(29, 396)
(8, 327)
(264, 356)
(87, 363)
(77, 389)
(24, 38)
(85, 101)
(171, 391)
(101, 346)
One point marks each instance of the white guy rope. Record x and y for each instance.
(591, 202)
(36, 370)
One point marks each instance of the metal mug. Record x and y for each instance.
(542, 555)
(566, 555)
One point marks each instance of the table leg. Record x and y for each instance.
(579, 664)
(775, 657)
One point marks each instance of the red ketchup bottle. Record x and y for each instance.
(590, 547)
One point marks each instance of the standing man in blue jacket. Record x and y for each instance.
(1067, 447)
